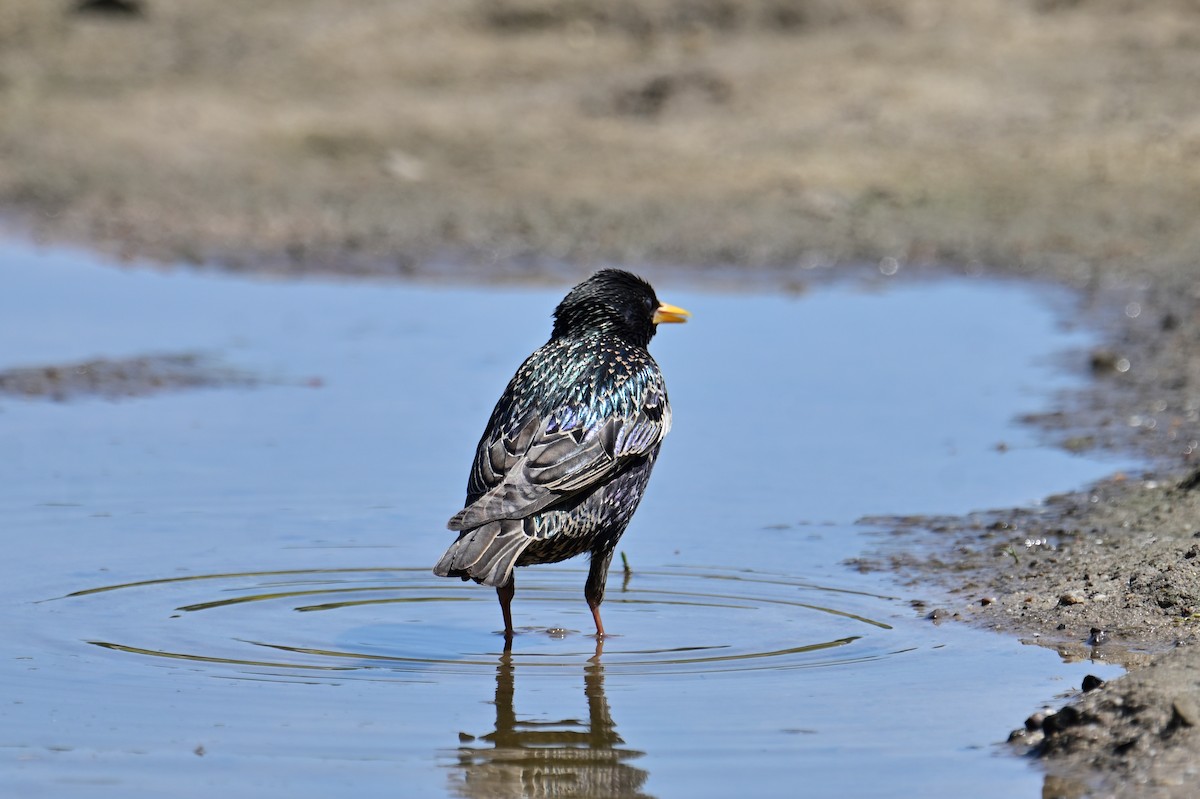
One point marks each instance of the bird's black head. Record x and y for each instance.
(617, 300)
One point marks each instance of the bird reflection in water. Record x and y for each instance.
(539, 758)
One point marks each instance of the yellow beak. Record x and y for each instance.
(670, 313)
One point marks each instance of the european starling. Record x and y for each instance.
(567, 452)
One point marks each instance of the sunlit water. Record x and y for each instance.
(226, 591)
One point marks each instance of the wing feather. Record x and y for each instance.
(542, 463)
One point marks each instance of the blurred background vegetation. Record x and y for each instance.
(1058, 136)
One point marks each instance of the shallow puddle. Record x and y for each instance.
(225, 586)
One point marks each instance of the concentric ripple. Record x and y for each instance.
(381, 623)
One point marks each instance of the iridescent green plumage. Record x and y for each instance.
(567, 452)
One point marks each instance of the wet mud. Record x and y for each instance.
(112, 379)
(1109, 574)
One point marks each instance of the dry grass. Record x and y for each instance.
(379, 135)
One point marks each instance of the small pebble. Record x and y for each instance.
(987, 600)
(1071, 599)
(1024, 737)
(1185, 712)
(938, 614)
(1091, 682)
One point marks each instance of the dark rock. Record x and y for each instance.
(651, 98)
(1190, 483)
(1062, 720)
(111, 8)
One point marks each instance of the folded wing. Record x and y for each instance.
(546, 462)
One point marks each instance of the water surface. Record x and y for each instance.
(224, 585)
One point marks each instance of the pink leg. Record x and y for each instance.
(596, 615)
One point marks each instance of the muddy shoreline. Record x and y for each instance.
(531, 140)
(1110, 572)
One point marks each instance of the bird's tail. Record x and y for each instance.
(486, 554)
